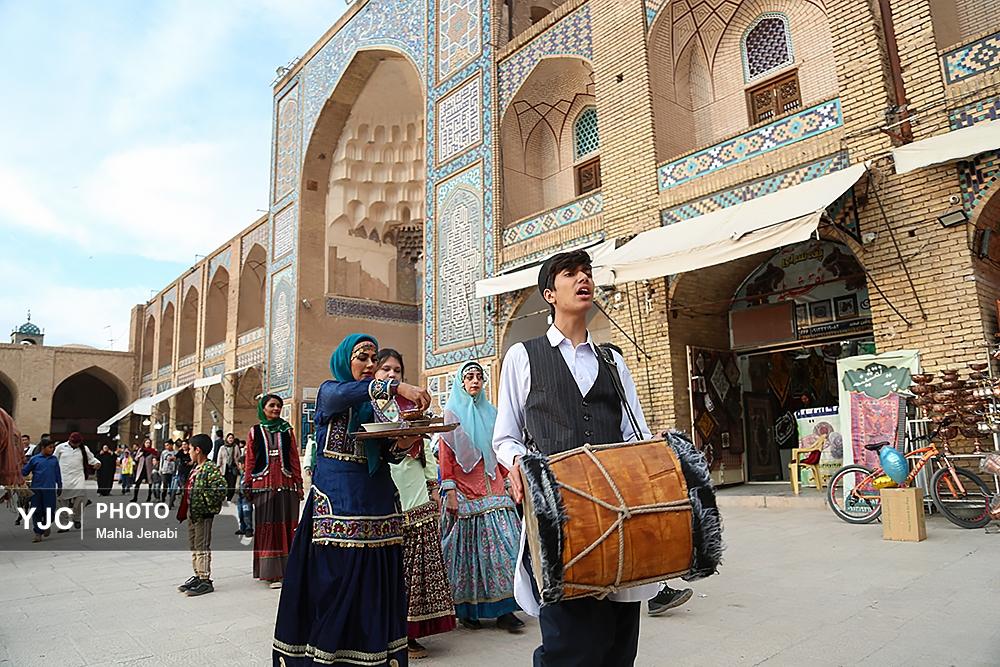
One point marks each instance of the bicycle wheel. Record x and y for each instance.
(859, 505)
(965, 510)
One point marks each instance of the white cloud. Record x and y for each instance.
(23, 208)
(69, 314)
(171, 202)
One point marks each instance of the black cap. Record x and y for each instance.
(547, 266)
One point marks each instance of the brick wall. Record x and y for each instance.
(702, 99)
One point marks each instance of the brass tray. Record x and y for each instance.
(409, 432)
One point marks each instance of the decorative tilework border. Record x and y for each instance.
(484, 153)
(978, 178)
(372, 310)
(576, 210)
(753, 189)
(783, 132)
(396, 24)
(569, 37)
(972, 59)
(534, 257)
(975, 113)
(214, 369)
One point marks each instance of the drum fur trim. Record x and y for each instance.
(551, 513)
(706, 522)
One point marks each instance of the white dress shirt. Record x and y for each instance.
(508, 434)
(71, 467)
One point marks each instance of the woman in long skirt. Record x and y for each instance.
(430, 609)
(480, 530)
(344, 599)
(274, 478)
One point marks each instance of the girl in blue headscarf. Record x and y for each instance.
(480, 527)
(343, 598)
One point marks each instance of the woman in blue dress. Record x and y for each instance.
(344, 599)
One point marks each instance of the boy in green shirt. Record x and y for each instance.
(203, 496)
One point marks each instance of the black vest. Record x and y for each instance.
(262, 441)
(557, 417)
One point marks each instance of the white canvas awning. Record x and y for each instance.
(241, 370)
(207, 381)
(947, 147)
(139, 407)
(787, 216)
(166, 394)
(528, 277)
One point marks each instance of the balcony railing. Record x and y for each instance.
(250, 336)
(165, 370)
(580, 208)
(146, 377)
(184, 362)
(213, 351)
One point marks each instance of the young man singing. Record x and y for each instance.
(555, 391)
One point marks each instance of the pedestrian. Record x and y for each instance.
(430, 607)
(217, 445)
(144, 470)
(227, 464)
(74, 457)
(343, 591)
(202, 501)
(25, 445)
(37, 449)
(168, 466)
(244, 503)
(106, 473)
(156, 480)
(560, 390)
(480, 526)
(128, 468)
(183, 470)
(274, 478)
(46, 487)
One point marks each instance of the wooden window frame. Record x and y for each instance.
(579, 169)
(773, 84)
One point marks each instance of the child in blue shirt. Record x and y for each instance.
(46, 484)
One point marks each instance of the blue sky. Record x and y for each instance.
(134, 135)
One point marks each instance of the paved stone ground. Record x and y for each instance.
(798, 587)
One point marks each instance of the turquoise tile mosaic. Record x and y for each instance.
(783, 132)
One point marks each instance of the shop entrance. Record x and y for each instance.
(790, 321)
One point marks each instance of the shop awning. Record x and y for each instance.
(139, 407)
(528, 277)
(207, 381)
(787, 216)
(947, 147)
(164, 395)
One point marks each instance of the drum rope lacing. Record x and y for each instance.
(624, 512)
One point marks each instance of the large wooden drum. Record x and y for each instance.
(605, 517)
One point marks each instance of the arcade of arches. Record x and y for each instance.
(59, 390)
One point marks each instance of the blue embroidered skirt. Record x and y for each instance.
(343, 600)
(480, 554)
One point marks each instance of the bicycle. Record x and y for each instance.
(964, 503)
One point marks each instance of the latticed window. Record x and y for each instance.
(767, 46)
(586, 139)
(774, 98)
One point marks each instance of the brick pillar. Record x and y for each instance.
(938, 260)
(625, 113)
(628, 175)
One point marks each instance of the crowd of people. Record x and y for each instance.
(397, 537)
